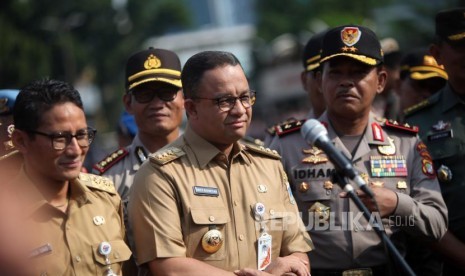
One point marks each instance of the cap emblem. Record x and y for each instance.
(152, 62)
(350, 35)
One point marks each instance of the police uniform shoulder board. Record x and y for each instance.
(167, 155)
(263, 151)
(97, 182)
(289, 127)
(272, 129)
(110, 160)
(390, 124)
(421, 105)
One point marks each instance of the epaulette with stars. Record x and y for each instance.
(391, 124)
(97, 182)
(263, 151)
(289, 127)
(110, 160)
(272, 129)
(165, 156)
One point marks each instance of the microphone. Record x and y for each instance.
(317, 135)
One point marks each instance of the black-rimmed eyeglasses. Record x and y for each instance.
(60, 140)
(147, 95)
(228, 103)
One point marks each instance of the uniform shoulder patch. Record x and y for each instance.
(167, 155)
(110, 160)
(97, 182)
(390, 124)
(289, 127)
(263, 151)
(272, 129)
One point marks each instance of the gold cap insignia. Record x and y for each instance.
(350, 35)
(152, 62)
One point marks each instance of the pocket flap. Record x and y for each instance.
(210, 216)
(119, 252)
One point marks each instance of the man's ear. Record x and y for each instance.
(191, 108)
(20, 140)
(382, 78)
(127, 101)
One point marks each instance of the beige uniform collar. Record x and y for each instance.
(28, 193)
(205, 152)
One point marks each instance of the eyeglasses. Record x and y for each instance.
(61, 140)
(146, 95)
(228, 103)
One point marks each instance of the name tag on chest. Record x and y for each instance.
(205, 191)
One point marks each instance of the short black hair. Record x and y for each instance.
(38, 97)
(198, 64)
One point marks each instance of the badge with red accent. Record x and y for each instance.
(427, 168)
(350, 35)
(377, 132)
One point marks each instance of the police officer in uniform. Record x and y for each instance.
(442, 128)
(70, 222)
(207, 204)
(154, 97)
(308, 77)
(10, 160)
(388, 156)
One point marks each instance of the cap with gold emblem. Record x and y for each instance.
(420, 65)
(450, 25)
(353, 41)
(153, 65)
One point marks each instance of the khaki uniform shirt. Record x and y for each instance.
(341, 235)
(441, 120)
(189, 188)
(123, 169)
(67, 243)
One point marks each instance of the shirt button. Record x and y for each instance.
(271, 212)
(235, 203)
(241, 237)
(78, 259)
(211, 218)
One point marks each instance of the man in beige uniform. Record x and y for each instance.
(388, 155)
(72, 221)
(208, 205)
(154, 97)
